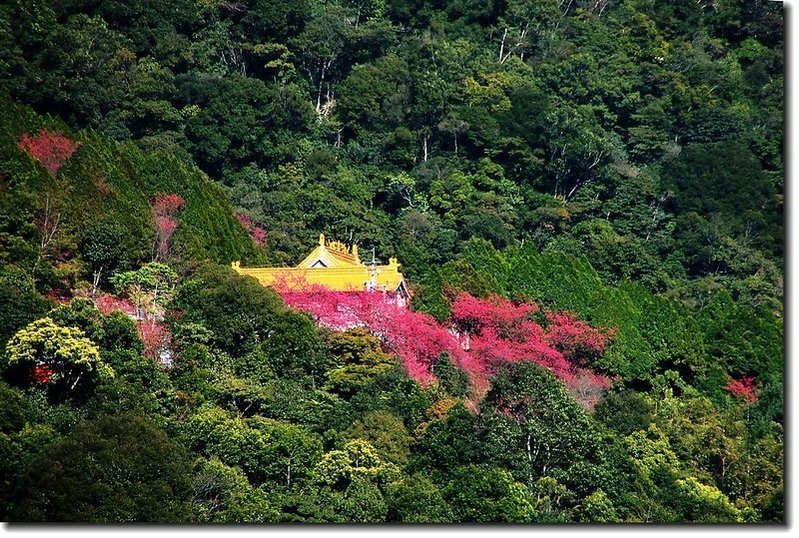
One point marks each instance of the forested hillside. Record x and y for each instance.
(590, 192)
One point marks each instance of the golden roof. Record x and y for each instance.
(335, 266)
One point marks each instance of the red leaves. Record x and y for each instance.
(154, 335)
(107, 304)
(165, 227)
(244, 220)
(156, 338)
(259, 234)
(502, 331)
(166, 208)
(470, 313)
(481, 334)
(51, 149)
(256, 232)
(578, 341)
(167, 205)
(41, 374)
(744, 388)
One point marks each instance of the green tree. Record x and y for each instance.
(361, 502)
(71, 358)
(446, 444)
(385, 432)
(358, 459)
(415, 499)
(482, 494)
(150, 288)
(102, 246)
(115, 469)
(357, 360)
(224, 495)
(524, 429)
(702, 503)
(625, 412)
(238, 311)
(19, 302)
(292, 451)
(597, 508)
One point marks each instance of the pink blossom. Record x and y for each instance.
(156, 338)
(51, 149)
(259, 235)
(480, 336)
(744, 388)
(40, 374)
(108, 303)
(256, 232)
(167, 205)
(244, 220)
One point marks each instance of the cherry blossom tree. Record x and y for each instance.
(479, 336)
(166, 208)
(51, 149)
(744, 389)
(256, 232)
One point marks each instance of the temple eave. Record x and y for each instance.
(335, 266)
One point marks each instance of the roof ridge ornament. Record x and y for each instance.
(336, 266)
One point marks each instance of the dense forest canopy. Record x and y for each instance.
(589, 191)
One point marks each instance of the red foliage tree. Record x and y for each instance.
(167, 205)
(499, 330)
(58, 296)
(108, 303)
(256, 232)
(259, 235)
(481, 334)
(154, 335)
(744, 388)
(41, 374)
(51, 149)
(156, 338)
(166, 208)
(244, 220)
(579, 342)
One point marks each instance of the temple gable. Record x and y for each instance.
(336, 266)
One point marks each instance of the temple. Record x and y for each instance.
(335, 266)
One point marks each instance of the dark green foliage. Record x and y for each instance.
(740, 339)
(453, 379)
(265, 450)
(19, 302)
(481, 494)
(523, 431)
(239, 312)
(385, 432)
(394, 391)
(224, 495)
(101, 246)
(619, 160)
(725, 182)
(295, 348)
(13, 409)
(446, 444)
(77, 478)
(416, 499)
(625, 412)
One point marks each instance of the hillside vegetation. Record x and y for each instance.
(586, 198)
